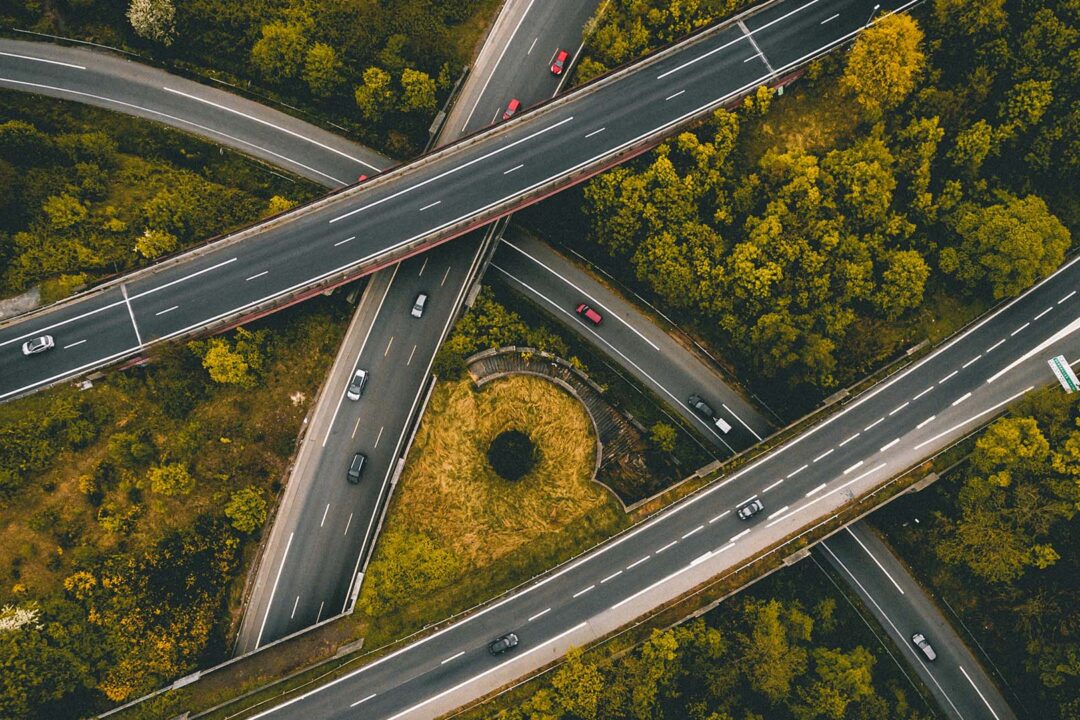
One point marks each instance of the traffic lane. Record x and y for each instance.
(535, 139)
(85, 334)
(526, 61)
(681, 534)
(571, 284)
(397, 354)
(772, 30)
(958, 681)
(611, 339)
(101, 79)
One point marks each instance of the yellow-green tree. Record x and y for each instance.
(322, 70)
(375, 96)
(154, 243)
(246, 509)
(884, 63)
(279, 54)
(172, 479)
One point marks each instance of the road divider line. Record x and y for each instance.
(1066, 297)
(167, 310)
(612, 576)
(825, 454)
(672, 97)
(774, 485)
(752, 431)
(595, 132)
(323, 521)
(670, 545)
(342, 242)
(80, 342)
(793, 473)
(770, 517)
(516, 167)
(540, 614)
(829, 19)
(889, 444)
(923, 393)
(634, 564)
(257, 275)
(854, 467)
(347, 524)
(899, 408)
(744, 533)
(1019, 329)
(832, 492)
(1059, 335)
(455, 656)
(948, 377)
(295, 603)
(1042, 313)
(363, 701)
(970, 362)
(726, 512)
(816, 490)
(976, 416)
(699, 527)
(431, 205)
(926, 422)
(961, 399)
(849, 439)
(581, 592)
(996, 345)
(273, 590)
(195, 274)
(874, 424)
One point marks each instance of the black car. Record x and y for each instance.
(750, 509)
(356, 467)
(501, 644)
(700, 406)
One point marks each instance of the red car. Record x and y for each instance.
(362, 178)
(512, 108)
(559, 63)
(589, 314)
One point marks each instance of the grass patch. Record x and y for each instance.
(480, 534)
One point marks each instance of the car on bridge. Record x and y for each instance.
(511, 109)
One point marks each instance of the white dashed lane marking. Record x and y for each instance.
(899, 408)
(579, 593)
(996, 345)
(825, 454)
(925, 422)
(961, 399)
(1019, 329)
(669, 545)
(634, 564)
(923, 393)
(856, 466)
(947, 377)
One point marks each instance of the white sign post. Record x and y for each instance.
(1064, 374)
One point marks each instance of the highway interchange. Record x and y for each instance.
(437, 197)
(963, 398)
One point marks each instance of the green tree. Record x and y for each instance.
(417, 91)
(663, 436)
(773, 652)
(411, 565)
(153, 19)
(279, 54)
(35, 669)
(322, 70)
(1008, 444)
(279, 204)
(375, 97)
(1009, 245)
(64, 211)
(225, 365)
(172, 479)
(884, 63)
(961, 17)
(902, 283)
(154, 243)
(841, 678)
(246, 509)
(579, 685)
(1023, 108)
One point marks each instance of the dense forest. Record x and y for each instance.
(926, 172)
(379, 68)
(89, 193)
(997, 540)
(785, 649)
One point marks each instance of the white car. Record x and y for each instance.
(418, 306)
(356, 387)
(38, 345)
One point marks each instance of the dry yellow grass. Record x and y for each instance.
(450, 492)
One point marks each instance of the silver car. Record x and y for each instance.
(38, 345)
(750, 509)
(356, 387)
(418, 306)
(920, 642)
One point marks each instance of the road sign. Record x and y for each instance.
(1064, 374)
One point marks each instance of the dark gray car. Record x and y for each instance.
(501, 644)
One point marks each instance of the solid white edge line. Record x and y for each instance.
(43, 60)
(876, 561)
(1059, 335)
(487, 672)
(591, 299)
(267, 123)
(979, 692)
(752, 431)
(273, 590)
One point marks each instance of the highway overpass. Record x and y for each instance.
(421, 204)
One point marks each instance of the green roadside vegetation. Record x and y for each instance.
(90, 193)
(893, 193)
(456, 532)
(129, 511)
(379, 69)
(997, 538)
(789, 647)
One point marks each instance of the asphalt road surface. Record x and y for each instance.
(956, 679)
(894, 426)
(291, 592)
(400, 211)
(133, 88)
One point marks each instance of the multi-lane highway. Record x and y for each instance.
(955, 678)
(438, 197)
(322, 516)
(895, 425)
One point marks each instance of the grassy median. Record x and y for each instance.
(456, 533)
